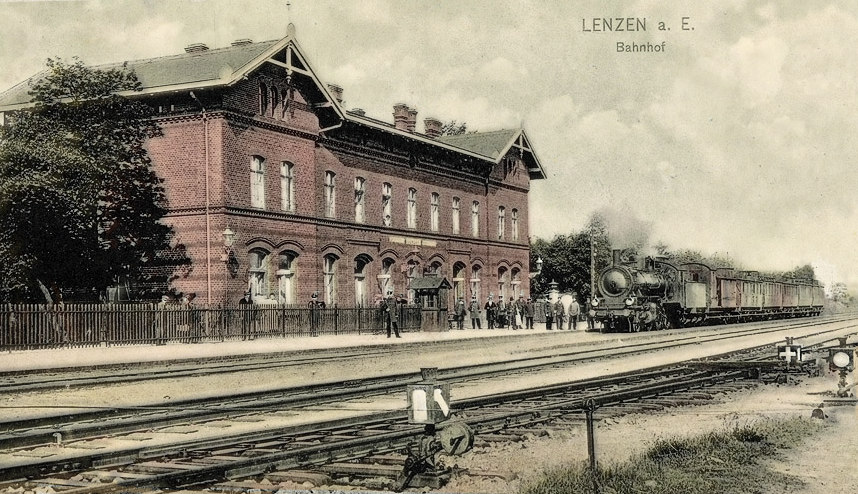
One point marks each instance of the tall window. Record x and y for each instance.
(330, 194)
(360, 189)
(503, 283)
(361, 263)
(263, 98)
(257, 182)
(287, 187)
(286, 278)
(385, 279)
(475, 219)
(386, 206)
(329, 272)
(515, 224)
(475, 281)
(458, 281)
(258, 272)
(501, 222)
(455, 217)
(433, 212)
(411, 213)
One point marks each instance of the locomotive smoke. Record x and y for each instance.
(625, 230)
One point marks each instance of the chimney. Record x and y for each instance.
(400, 116)
(336, 92)
(196, 48)
(242, 41)
(432, 127)
(358, 111)
(411, 123)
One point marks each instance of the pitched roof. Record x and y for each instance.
(429, 283)
(197, 69)
(226, 66)
(491, 144)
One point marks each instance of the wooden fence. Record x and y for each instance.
(28, 326)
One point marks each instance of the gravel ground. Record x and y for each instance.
(823, 471)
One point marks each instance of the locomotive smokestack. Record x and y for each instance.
(616, 256)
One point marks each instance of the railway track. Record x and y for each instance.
(66, 378)
(333, 441)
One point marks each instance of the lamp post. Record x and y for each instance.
(228, 240)
(538, 271)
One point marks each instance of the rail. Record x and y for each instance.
(31, 326)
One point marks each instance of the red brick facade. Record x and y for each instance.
(283, 252)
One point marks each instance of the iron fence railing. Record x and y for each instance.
(29, 326)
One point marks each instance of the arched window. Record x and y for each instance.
(476, 270)
(263, 98)
(361, 267)
(258, 272)
(516, 283)
(503, 283)
(329, 272)
(411, 271)
(257, 182)
(275, 101)
(287, 278)
(459, 281)
(385, 279)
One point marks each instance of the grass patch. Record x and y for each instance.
(727, 462)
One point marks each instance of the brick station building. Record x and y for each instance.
(320, 198)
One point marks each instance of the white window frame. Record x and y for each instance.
(514, 225)
(287, 186)
(386, 204)
(411, 210)
(330, 194)
(456, 209)
(434, 208)
(329, 273)
(360, 195)
(501, 222)
(475, 219)
(257, 182)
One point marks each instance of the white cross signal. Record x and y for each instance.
(790, 353)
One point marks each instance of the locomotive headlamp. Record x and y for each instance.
(629, 301)
(595, 302)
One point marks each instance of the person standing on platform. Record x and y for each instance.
(491, 311)
(559, 314)
(460, 314)
(574, 312)
(529, 309)
(500, 315)
(510, 313)
(475, 313)
(519, 312)
(591, 323)
(315, 305)
(549, 314)
(245, 306)
(392, 315)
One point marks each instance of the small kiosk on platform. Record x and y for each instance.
(430, 292)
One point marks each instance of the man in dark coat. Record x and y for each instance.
(549, 314)
(460, 314)
(491, 311)
(392, 315)
(245, 306)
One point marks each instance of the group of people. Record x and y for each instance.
(516, 314)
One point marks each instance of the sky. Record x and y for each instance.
(736, 138)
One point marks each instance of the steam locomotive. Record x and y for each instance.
(650, 294)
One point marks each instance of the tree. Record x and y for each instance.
(451, 128)
(80, 203)
(566, 259)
